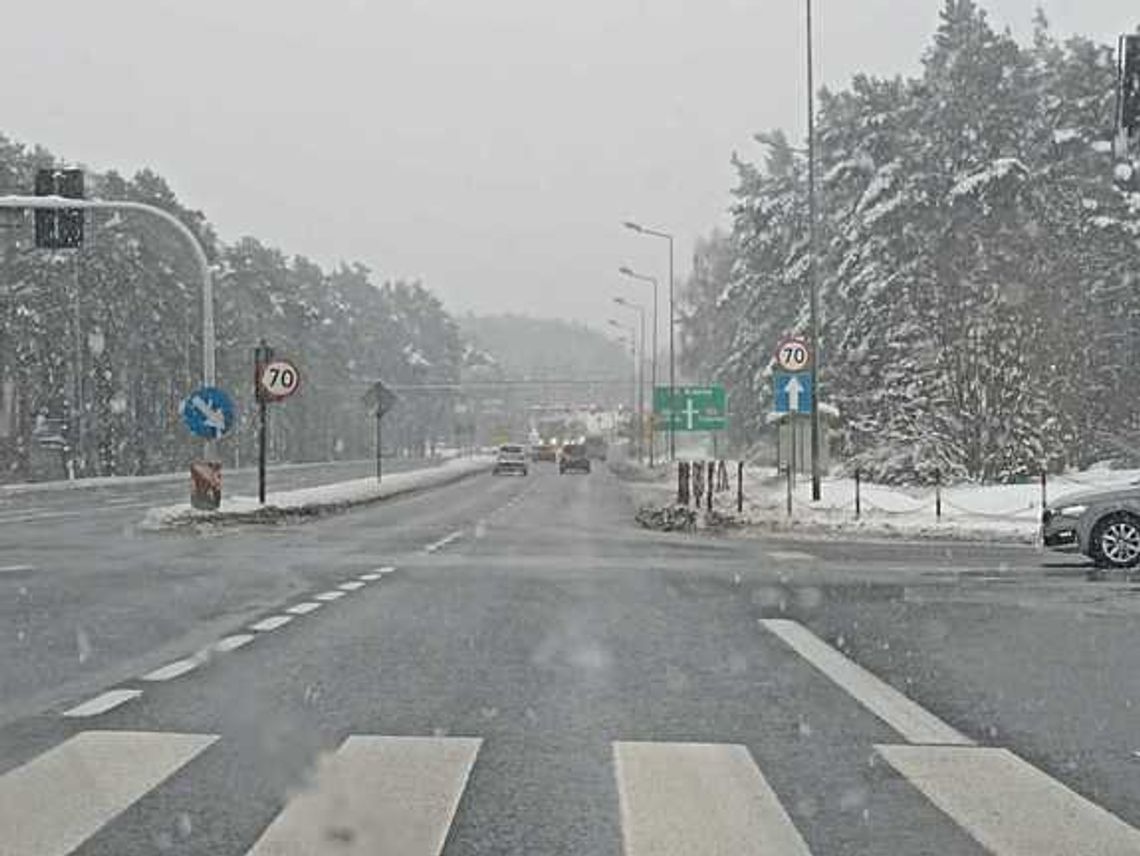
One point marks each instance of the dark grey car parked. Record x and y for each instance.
(1102, 524)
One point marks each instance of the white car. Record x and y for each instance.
(510, 459)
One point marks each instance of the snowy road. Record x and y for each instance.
(505, 665)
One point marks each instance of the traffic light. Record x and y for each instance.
(59, 228)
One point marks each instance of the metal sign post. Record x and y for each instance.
(383, 399)
(379, 447)
(262, 355)
(273, 380)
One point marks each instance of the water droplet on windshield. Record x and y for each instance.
(82, 644)
(183, 825)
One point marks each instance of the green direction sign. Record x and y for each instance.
(693, 408)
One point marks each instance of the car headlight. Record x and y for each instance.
(1072, 510)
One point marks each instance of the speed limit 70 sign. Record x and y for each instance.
(793, 355)
(279, 379)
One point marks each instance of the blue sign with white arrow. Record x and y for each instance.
(793, 392)
(208, 412)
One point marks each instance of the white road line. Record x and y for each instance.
(1010, 807)
(102, 703)
(908, 718)
(351, 586)
(271, 623)
(32, 518)
(329, 595)
(173, 670)
(391, 794)
(56, 801)
(385, 570)
(693, 799)
(789, 556)
(370, 578)
(14, 569)
(304, 608)
(232, 643)
(443, 542)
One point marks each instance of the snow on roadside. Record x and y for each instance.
(314, 500)
(969, 512)
(180, 477)
(183, 476)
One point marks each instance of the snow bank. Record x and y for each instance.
(181, 476)
(313, 501)
(1010, 513)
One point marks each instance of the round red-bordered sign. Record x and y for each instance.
(279, 379)
(793, 354)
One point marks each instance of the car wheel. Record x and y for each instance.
(1116, 541)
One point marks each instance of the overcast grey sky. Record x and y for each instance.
(489, 147)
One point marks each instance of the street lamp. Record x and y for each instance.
(640, 310)
(812, 277)
(652, 280)
(643, 230)
(628, 337)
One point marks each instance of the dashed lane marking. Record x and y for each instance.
(232, 643)
(271, 623)
(908, 718)
(173, 670)
(351, 586)
(370, 578)
(304, 608)
(443, 542)
(102, 703)
(789, 556)
(329, 595)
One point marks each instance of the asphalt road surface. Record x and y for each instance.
(508, 666)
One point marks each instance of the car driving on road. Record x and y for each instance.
(510, 459)
(573, 459)
(1103, 524)
(546, 451)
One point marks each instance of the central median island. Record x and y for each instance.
(286, 506)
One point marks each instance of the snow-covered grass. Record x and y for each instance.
(969, 511)
(182, 476)
(312, 501)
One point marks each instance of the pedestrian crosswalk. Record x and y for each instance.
(685, 798)
(378, 795)
(52, 804)
(401, 795)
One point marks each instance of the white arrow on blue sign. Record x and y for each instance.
(793, 392)
(208, 412)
